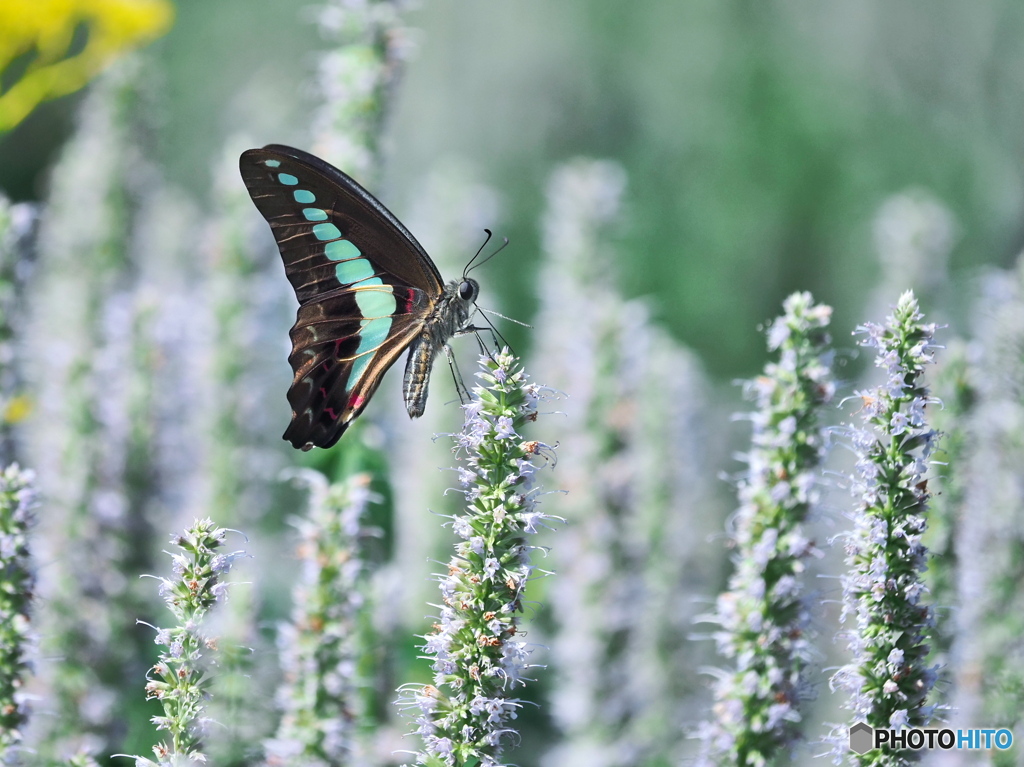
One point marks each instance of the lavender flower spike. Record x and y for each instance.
(17, 582)
(763, 615)
(888, 680)
(327, 641)
(466, 717)
(180, 679)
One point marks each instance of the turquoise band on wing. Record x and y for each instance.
(359, 365)
(352, 268)
(314, 214)
(375, 300)
(326, 232)
(375, 303)
(378, 305)
(355, 270)
(372, 335)
(341, 250)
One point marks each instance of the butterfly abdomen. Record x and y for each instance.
(417, 374)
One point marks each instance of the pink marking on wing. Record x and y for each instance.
(356, 401)
(331, 413)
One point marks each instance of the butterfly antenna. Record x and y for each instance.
(479, 251)
(470, 267)
(499, 314)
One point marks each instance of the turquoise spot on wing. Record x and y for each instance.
(272, 163)
(303, 195)
(377, 306)
(314, 214)
(326, 232)
(287, 179)
(353, 271)
(376, 303)
(358, 368)
(372, 335)
(341, 250)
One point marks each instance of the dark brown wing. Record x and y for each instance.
(363, 283)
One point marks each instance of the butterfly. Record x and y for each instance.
(367, 291)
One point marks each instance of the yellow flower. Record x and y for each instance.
(42, 38)
(17, 409)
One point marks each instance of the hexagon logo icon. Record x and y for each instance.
(862, 738)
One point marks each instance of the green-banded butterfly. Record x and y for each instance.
(366, 289)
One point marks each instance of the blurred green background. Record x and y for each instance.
(760, 138)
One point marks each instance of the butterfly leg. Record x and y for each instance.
(460, 385)
(484, 349)
(476, 331)
(496, 335)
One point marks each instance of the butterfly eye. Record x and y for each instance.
(467, 290)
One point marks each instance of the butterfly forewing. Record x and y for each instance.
(363, 283)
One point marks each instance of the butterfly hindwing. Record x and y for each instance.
(339, 363)
(363, 283)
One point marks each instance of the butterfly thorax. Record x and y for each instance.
(449, 318)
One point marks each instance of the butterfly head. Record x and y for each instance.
(456, 306)
(469, 289)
